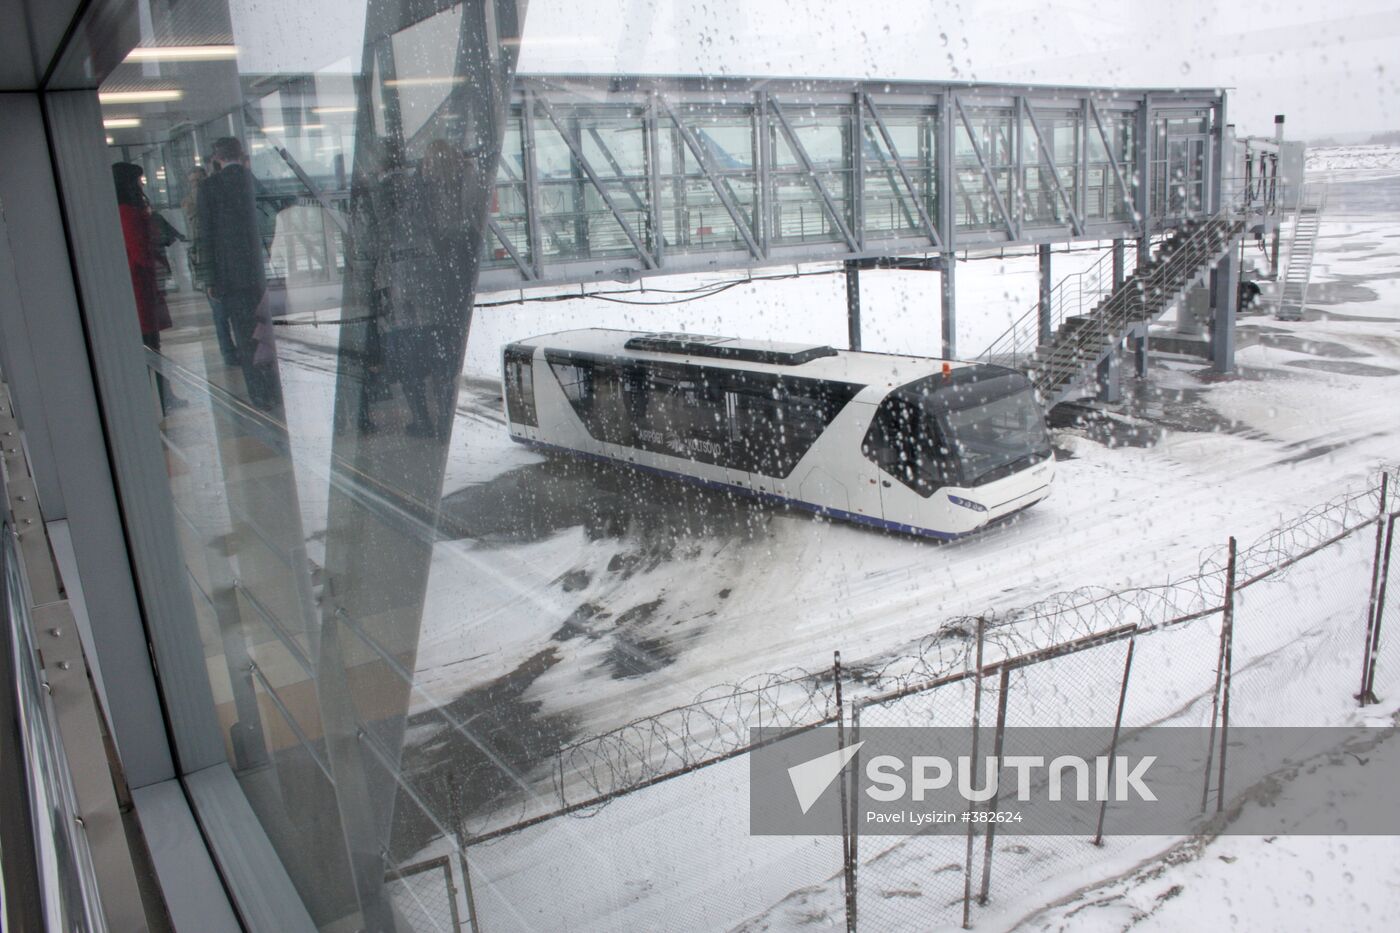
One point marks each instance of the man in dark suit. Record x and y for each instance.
(231, 258)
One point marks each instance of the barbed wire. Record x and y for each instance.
(718, 723)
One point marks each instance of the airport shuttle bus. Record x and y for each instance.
(909, 444)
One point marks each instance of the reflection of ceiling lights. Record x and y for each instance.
(425, 82)
(183, 53)
(110, 140)
(121, 123)
(154, 96)
(325, 110)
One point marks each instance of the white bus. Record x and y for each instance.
(909, 444)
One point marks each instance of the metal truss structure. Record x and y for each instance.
(622, 177)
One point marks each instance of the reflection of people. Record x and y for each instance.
(430, 271)
(138, 230)
(231, 265)
(190, 205)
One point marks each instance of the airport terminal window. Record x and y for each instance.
(347, 224)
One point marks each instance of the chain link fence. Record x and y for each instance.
(649, 826)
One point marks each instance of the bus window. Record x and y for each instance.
(520, 387)
(906, 443)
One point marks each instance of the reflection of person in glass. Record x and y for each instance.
(431, 269)
(138, 230)
(190, 205)
(231, 261)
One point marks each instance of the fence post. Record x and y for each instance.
(1226, 614)
(1117, 726)
(1227, 636)
(971, 826)
(1373, 649)
(467, 880)
(852, 857)
(841, 781)
(1372, 620)
(1003, 687)
(452, 893)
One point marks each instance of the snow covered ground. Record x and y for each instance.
(599, 597)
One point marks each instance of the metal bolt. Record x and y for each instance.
(63, 665)
(79, 821)
(56, 632)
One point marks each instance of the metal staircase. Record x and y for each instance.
(1080, 341)
(1293, 295)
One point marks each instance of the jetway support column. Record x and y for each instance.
(949, 291)
(1110, 380)
(1046, 294)
(1226, 294)
(853, 305)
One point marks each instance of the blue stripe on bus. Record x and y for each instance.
(770, 497)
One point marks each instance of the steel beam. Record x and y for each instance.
(853, 305)
(1047, 295)
(1222, 334)
(532, 186)
(515, 257)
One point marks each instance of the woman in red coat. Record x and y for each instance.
(138, 232)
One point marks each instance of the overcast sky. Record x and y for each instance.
(1331, 66)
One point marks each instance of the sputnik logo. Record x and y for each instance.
(812, 777)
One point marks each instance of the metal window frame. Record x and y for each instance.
(1048, 159)
(73, 355)
(810, 168)
(722, 192)
(583, 163)
(924, 218)
(986, 170)
(1113, 160)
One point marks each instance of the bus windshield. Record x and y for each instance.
(993, 427)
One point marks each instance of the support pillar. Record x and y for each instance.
(1118, 263)
(1144, 250)
(948, 280)
(853, 305)
(1046, 295)
(1110, 380)
(1139, 344)
(1195, 309)
(1222, 334)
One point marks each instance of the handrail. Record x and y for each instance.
(1087, 287)
(1161, 285)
